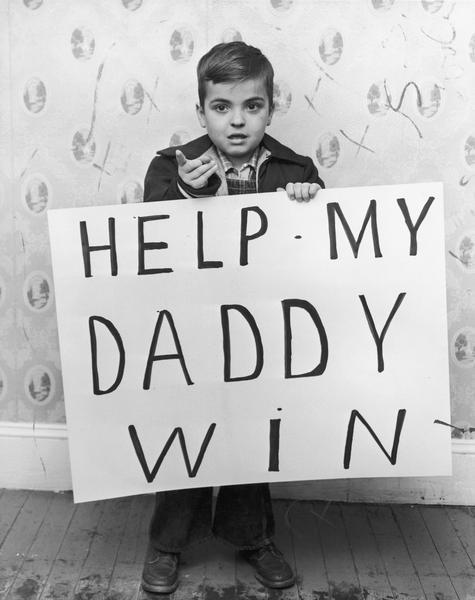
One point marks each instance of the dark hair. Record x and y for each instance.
(234, 61)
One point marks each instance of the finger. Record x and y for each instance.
(188, 165)
(201, 170)
(289, 188)
(305, 192)
(191, 165)
(280, 190)
(298, 191)
(180, 158)
(203, 180)
(314, 187)
(206, 159)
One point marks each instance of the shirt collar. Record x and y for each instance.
(228, 166)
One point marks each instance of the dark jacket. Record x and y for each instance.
(283, 166)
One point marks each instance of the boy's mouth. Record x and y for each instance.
(237, 136)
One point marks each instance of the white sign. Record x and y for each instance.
(250, 338)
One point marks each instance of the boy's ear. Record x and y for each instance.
(200, 113)
(271, 114)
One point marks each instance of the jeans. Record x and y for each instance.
(243, 517)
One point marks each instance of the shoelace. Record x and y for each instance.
(268, 548)
(166, 558)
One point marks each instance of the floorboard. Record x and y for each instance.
(21, 536)
(309, 564)
(52, 549)
(219, 570)
(368, 561)
(451, 550)
(32, 575)
(66, 568)
(11, 502)
(402, 575)
(126, 575)
(193, 573)
(340, 567)
(283, 540)
(98, 567)
(429, 567)
(463, 521)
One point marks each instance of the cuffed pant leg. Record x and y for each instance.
(244, 516)
(181, 518)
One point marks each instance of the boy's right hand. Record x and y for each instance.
(195, 172)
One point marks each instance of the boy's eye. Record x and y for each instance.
(255, 106)
(220, 107)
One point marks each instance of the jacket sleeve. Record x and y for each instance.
(311, 174)
(161, 182)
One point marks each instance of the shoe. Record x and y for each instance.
(160, 572)
(270, 566)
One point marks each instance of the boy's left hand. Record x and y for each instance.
(302, 192)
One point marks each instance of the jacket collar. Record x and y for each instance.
(282, 152)
(199, 146)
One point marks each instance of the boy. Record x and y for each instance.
(235, 87)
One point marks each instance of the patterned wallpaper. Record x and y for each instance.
(376, 91)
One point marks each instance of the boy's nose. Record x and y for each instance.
(237, 119)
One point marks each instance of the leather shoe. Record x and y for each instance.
(270, 566)
(160, 572)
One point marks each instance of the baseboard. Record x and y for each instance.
(458, 489)
(36, 457)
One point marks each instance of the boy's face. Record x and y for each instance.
(236, 116)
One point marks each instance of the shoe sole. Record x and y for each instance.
(277, 585)
(159, 589)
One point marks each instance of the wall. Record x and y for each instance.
(376, 91)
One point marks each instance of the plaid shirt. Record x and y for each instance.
(245, 172)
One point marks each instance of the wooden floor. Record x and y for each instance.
(53, 549)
